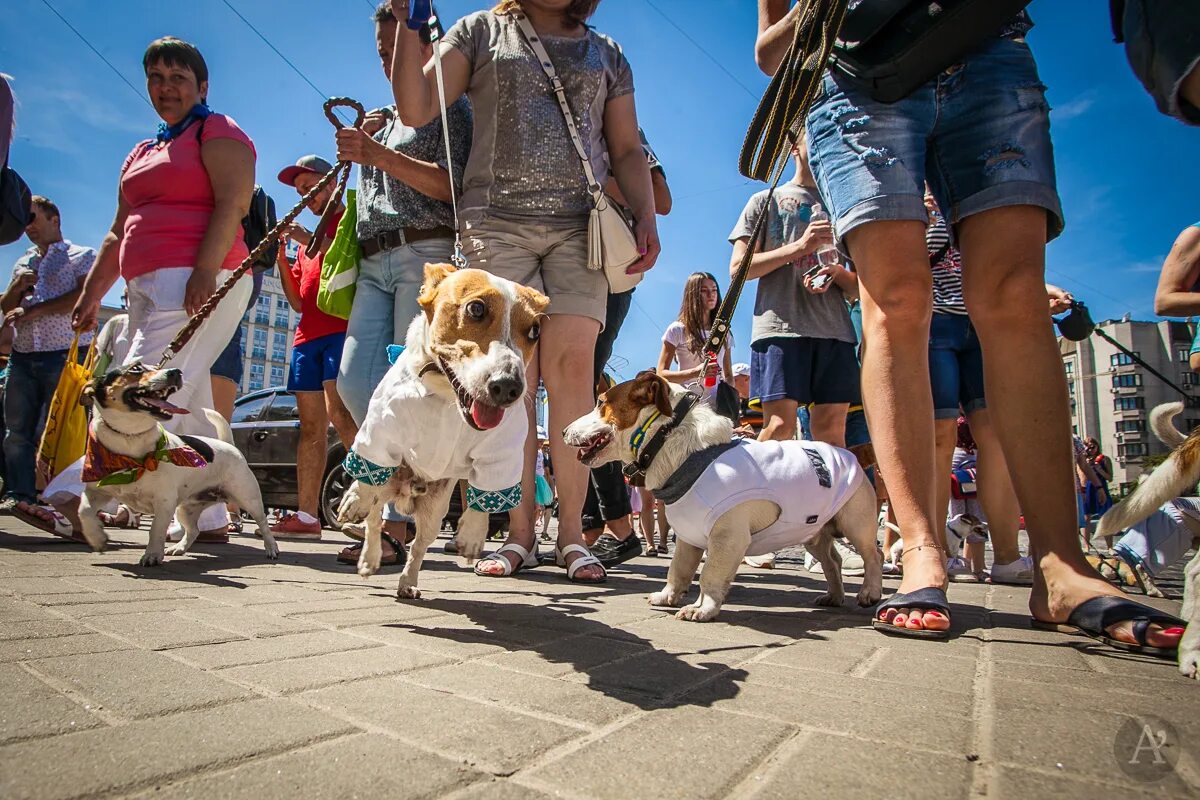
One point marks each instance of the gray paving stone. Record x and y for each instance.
(567, 657)
(494, 739)
(502, 789)
(826, 765)
(153, 750)
(40, 629)
(28, 649)
(13, 609)
(296, 674)
(296, 608)
(245, 621)
(275, 648)
(247, 594)
(131, 582)
(81, 597)
(1015, 783)
(360, 766)
(139, 683)
(437, 634)
(660, 755)
(366, 614)
(29, 709)
(657, 674)
(41, 586)
(160, 630)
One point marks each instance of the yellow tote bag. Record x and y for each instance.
(65, 436)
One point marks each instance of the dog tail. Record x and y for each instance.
(1161, 417)
(1172, 478)
(224, 432)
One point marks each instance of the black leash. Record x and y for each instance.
(1141, 363)
(635, 471)
(776, 122)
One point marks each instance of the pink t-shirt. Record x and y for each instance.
(170, 200)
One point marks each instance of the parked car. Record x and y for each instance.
(266, 428)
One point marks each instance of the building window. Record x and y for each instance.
(281, 312)
(1072, 406)
(1127, 380)
(1132, 450)
(1131, 426)
(1191, 379)
(1069, 367)
(260, 344)
(1071, 388)
(1128, 403)
(256, 377)
(279, 346)
(276, 375)
(262, 310)
(1122, 359)
(1184, 355)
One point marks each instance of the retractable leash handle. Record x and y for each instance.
(274, 235)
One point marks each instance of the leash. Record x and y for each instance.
(457, 258)
(781, 110)
(341, 171)
(635, 471)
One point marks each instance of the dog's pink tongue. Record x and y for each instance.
(163, 405)
(485, 416)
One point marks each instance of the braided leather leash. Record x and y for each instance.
(340, 170)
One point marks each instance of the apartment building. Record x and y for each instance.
(1111, 395)
(267, 331)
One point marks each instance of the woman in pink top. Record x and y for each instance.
(180, 203)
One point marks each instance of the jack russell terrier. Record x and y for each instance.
(132, 459)
(730, 498)
(449, 408)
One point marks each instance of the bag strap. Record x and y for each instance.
(539, 51)
(457, 258)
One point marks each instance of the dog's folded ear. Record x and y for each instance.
(651, 389)
(434, 275)
(88, 395)
(535, 301)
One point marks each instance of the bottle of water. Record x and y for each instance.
(827, 254)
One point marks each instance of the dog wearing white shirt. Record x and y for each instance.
(732, 498)
(448, 408)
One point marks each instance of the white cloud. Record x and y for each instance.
(1074, 108)
(1153, 265)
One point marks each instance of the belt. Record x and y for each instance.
(402, 236)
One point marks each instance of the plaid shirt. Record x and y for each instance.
(58, 272)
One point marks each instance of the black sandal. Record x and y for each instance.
(1092, 617)
(399, 555)
(931, 598)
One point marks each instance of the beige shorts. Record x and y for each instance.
(549, 258)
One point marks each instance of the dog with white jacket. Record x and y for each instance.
(730, 498)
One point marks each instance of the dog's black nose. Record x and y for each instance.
(175, 376)
(504, 391)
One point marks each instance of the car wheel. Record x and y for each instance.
(332, 488)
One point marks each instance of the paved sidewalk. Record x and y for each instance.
(220, 675)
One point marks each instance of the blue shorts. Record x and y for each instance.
(805, 370)
(229, 363)
(314, 362)
(979, 132)
(955, 366)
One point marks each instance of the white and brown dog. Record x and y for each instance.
(449, 408)
(1162, 528)
(732, 499)
(132, 459)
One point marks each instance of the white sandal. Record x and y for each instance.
(584, 560)
(527, 560)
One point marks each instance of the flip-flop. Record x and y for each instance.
(931, 598)
(1092, 617)
(58, 524)
(526, 560)
(385, 561)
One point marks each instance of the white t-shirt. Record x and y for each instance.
(676, 335)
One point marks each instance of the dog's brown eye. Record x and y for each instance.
(535, 331)
(476, 309)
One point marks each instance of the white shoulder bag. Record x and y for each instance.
(611, 243)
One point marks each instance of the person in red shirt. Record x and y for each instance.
(316, 353)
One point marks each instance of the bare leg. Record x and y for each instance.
(1003, 271)
(996, 493)
(779, 421)
(945, 433)
(339, 415)
(828, 423)
(897, 299)
(311, 450)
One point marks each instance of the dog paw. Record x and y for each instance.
(408, 593)
(354, 506)
(365, 568)
(666, 598)
(149, 559)
(176, 550)
(1189, 664)
(868, 596)
(831, 600)
(99, 544)
(272, 552)
(698, 612)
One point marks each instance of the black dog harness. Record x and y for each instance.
(635, 472)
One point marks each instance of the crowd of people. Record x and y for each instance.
(898, 279)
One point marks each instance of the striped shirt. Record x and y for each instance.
(947, 268)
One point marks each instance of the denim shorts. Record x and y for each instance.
(1162, 41)
(229, 363)
(804, 369)
(314, 362)
(979, 133)
(955, 366)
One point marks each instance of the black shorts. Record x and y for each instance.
(805, 370)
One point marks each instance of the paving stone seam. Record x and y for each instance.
(544, 716)
(758, 776)
(862, 670)
(178, 652)
(85, 703)
(291, 692)
(1092, 779)
(983, 706)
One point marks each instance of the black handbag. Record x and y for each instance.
(892, 47)
(728, 403)
(15, 209)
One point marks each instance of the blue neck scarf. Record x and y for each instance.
(168, 132)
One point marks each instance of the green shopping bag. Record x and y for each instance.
(339, 268)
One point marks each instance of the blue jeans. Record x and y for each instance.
(955, 366)
(385, 303)
(32, 379)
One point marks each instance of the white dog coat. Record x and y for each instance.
(406, 423)
(809, 481)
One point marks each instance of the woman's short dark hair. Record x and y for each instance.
(577, 12)
(175, 52)
(383, 14)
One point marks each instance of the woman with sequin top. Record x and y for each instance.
(525, 200)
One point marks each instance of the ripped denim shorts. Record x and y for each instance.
(979, 133)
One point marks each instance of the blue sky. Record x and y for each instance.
(1127, 185)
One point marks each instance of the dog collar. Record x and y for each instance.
(639, 435)
(106, 468)
(635, 471)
